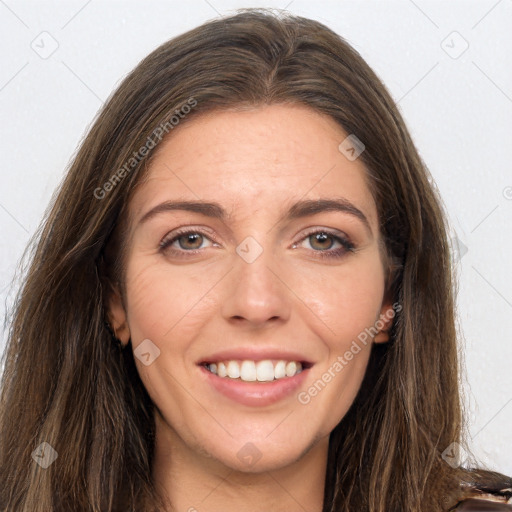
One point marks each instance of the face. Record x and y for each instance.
(253, 247)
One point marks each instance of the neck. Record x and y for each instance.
(191, 481)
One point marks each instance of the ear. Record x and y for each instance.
(117, 315)
(384, 322)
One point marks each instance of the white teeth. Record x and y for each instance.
(233, 369)
(291, 368)
(248, 371)
(280, 370)
(251, 371)
(265, 371)
(221, 370)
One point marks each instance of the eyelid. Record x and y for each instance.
(172, 236)
(341, 237)
(335, 233)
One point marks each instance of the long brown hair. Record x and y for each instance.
(67, 384)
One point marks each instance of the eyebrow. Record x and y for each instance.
(300, 209)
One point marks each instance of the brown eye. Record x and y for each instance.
(321, 241)
(185, 241)
(190, 241)
(325, 244)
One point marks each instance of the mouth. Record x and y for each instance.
(255, 376)
(255, 383)
(248, 370)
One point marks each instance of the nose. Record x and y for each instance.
(257, 293)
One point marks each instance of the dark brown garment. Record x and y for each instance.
(487, 492)
(483, 505)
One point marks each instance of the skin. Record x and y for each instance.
(255, 164)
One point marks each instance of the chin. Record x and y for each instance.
(255, 456)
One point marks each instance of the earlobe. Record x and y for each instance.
(117, 317)
(384, 323)
(381, 337)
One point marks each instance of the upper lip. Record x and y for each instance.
(255, 354)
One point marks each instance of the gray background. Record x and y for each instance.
(457, 102)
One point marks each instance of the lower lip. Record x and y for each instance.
(255, 394)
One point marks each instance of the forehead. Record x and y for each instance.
(255, 161)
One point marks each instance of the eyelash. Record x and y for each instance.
(346, 245)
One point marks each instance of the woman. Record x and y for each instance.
(241, 298)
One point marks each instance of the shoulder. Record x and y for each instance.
(485, 491)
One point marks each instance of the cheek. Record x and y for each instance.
(165, 300)
(343, 300)
(346, 304)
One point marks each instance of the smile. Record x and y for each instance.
(266, 370)
(255, 393)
